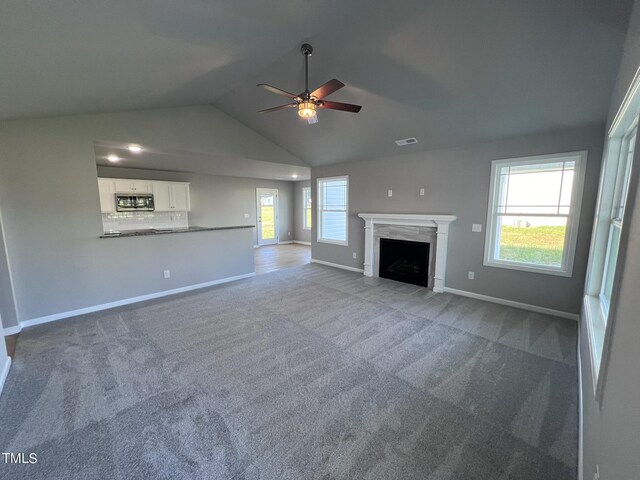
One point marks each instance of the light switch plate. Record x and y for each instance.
(471, 275)
(422, 192)
(477, 227)
(389, 193)
(246, 215)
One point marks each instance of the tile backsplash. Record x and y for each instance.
(143, 220)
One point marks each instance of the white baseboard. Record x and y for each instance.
(128, 301)
(511, 303)
(256, 246)
(286, 242)
(11, 330)
(580, 412)
(5, 372)
(302, 243)
(337, 265)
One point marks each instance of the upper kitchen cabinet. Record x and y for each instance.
(171, 197)
(107, 190)
(133, 186)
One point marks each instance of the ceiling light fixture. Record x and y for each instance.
(294, 176)
(307, 109)
(133, 148)
(406, 141)
(113, 158)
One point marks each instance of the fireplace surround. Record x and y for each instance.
(432, 229)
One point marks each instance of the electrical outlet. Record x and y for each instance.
(471, 275)
(354, 255)
(246, 215)
(288, 234)
(476, 227)
(167, 273)
(422, 192)
(389, 193)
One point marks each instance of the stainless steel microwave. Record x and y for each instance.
(134, 203)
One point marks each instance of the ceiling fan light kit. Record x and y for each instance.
(308, 102)
(307, 109)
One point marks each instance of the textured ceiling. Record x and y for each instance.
(448, 73)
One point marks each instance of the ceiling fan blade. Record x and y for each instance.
(345, 107)
(327, 89)
(277, 91)
(280, 107)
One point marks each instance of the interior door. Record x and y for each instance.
(267, 203)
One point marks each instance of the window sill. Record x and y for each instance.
(527, 268)
(333, 242)
(306, 229)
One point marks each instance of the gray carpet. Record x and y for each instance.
(305, 373)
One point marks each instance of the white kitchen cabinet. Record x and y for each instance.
(171, 197)
(179, 194)
(107, 190)
(133, 186)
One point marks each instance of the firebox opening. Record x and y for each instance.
(404, 261)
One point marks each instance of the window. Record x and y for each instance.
(534, 206)
(621, 186)
(608, 240)
(333, 206)
(306, 208)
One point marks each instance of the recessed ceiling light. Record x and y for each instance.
(294, 176)
(113, 158)
(133, 148)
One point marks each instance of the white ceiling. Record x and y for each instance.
(448, 73)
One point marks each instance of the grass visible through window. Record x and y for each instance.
(542, 245)
(268, 223)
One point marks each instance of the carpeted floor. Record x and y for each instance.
(305, 373)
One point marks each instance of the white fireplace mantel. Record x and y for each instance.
(439, 222)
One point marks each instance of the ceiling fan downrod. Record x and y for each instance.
(307, 51)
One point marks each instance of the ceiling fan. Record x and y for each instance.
(307, 102)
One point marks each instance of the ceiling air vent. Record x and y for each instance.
(406, 141)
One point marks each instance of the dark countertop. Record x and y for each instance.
(153, 231)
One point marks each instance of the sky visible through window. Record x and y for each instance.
(532, 210)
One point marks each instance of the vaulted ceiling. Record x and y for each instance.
(448, 73)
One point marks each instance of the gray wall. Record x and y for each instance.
(7, 304)
(456, 181)
(220, 201)
(612, 427)
(301, 234)
(51, 211)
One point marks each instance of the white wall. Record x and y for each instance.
(612, 427)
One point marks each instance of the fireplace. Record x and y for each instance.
(421, 228)
(404, 261)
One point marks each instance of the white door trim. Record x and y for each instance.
(276, 206)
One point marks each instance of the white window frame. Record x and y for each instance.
(320, 210)
(598, 317)
(573, 218)
(306, 194)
